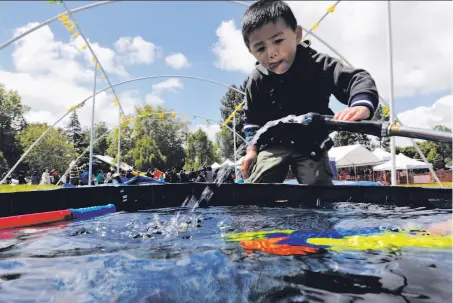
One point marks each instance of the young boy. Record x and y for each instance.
(294, 79)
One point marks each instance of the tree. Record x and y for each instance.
(344, 138)
(78, 137)
(100, 148)
(435, 159)
(146, 154)
(438, 154)
(444, 149)
(168, 132)
(229, 102)
(127, 144)
(3, 164)
(381, 114)
(54, 151)
(199, 151)
(408, 151)
(12, 121)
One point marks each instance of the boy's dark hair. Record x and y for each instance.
(264, 12)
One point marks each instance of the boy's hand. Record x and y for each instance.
(353, 113)
(247, 162)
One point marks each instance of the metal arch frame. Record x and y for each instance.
(309, 32)
(102, 90)
(93, 5)
(148, 115)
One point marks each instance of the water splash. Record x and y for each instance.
(224, 172)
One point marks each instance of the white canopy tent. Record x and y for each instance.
(403, 163)
(227, 162)
(382, 154)
(353, 156)
(215, 165)
(110, 160)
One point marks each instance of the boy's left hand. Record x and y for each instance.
(353, 113)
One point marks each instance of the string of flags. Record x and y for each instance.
(72, 28)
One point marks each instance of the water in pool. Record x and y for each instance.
(202, 255)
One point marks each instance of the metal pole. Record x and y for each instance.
(391, 97)
(90, 167)
(234, 142)
(119, 142)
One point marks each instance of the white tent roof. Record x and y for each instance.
(353, 155)
(215, 165)
(109, 160)
(382, 154)
(227, 162)
(402, 162)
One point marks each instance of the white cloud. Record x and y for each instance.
(137, 50)
(232, 54)
(153, 99)
(177, 61)
(211, 130)
(170, 85)
(357, 29)
(440, 113)
(52, 76)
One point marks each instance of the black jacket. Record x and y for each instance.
(305, 87)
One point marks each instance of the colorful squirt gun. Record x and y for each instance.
(292, 242)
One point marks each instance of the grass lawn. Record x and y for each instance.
(445, 184)
(6, 188)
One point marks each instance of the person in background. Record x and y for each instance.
(157, 173)
(129, 174)
(209, 174)
(183, 176)
(51, 175)
(45, 178)
(100, 177)
(21, 178)
(84, 176)
(34, 178)
(108, 179)
(74, 175)
(201, 176)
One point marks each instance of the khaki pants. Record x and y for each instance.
(272, 167)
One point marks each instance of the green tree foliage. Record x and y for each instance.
(381, 114)
(12, 121)
(168, 132)
(165, 135)
(408, 151)
(78, 138)
(146, 154)
(127, 143)
(3, 164)
(53, 152)
(438, 154)
(200, 151)
(225, 139)
(100, 148)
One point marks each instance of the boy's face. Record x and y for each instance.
(274, 45)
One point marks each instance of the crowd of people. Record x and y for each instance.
(46, 178)
(79, 176)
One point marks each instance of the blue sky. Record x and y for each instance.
(190, 28)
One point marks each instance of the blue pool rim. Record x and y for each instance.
(92, 212)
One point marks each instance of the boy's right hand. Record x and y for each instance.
(247, 162)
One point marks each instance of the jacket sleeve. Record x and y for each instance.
(353, 87)
(251, 114)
